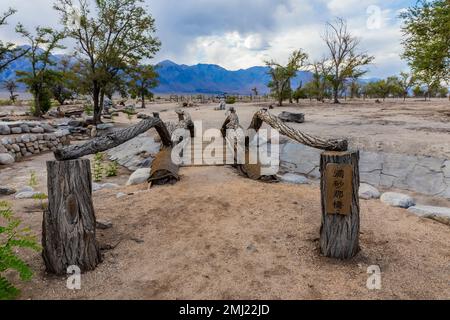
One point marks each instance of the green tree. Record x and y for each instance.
(280, 84)
(143, 79)
(395, 87)
(63, 87)
(355, 89)
(41, 76)
(11, 86)
(112, 36)
(442, 92)
(378, 89)
(9, 52)
(406, 82)
(346, 61)
(418, 92)
(319, 86)
(299, 93)
(426, 42)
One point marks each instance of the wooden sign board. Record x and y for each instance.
(339, 188)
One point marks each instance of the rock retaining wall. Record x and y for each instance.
(29, 144)
(7, 128)
(426, 175)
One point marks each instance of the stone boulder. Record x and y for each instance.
(6, 191)
(397, 200)
(27, 194)
(98, 187)
(136, 153)
(292, 117)
(440, 214)
(6, 158)
(293, 178)
(139, 176)
(366, 192)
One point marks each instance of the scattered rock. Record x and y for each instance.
(104, 126)
(75, 123)
(6, 191)
(27, 194)
(139, 176)
(366, 191)
(292, 117)
(397, 200)
(104, 224)
(440, 214)
(137, 240)
(109, 186)
(294, 178)
(97, 187)
(6, 158)
(121, 195)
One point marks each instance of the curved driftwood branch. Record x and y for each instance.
(114, 139)
(301, 137)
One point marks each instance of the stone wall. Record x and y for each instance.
(7, 128)
(426, 175)
(29, 144)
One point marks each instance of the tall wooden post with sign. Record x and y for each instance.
(339, 233)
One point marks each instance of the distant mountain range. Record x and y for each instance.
(196, 79)
(213, 79)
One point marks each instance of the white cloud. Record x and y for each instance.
(239, 34)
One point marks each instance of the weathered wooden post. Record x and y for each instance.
(339, 233)
(68, 228)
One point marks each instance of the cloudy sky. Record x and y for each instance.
(243, 33)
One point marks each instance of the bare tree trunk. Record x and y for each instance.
(97, 109)
(336, 95)
(114, 139)
(339, 233)
(143, 101)
(68, 228)
(37, 105)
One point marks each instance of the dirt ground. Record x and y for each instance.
(413, 127)
(216, 235)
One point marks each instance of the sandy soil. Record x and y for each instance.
(216, 235)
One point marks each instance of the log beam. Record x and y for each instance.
(114, 139)
(307, 139)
